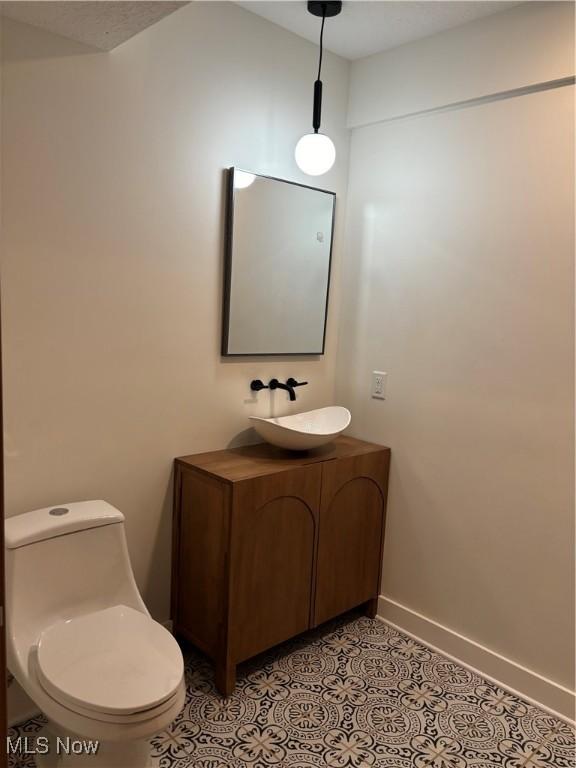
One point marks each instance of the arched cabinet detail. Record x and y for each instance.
(272, 558)
(352, 519)
(268, 544)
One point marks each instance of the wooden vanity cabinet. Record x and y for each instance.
(268, 544)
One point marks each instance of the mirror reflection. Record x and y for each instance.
(279, 243)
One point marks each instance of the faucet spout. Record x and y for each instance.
(275, 384)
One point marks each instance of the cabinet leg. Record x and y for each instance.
(225, 677)
(371, 608)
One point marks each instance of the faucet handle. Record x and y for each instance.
(256, 385)
(293, 383)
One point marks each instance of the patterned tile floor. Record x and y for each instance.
(356, 694)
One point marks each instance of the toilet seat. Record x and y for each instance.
(114, 664)
(117, 719)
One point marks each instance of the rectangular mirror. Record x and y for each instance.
(278, 253)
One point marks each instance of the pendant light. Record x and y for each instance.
(315, 152)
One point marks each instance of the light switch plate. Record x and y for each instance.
(379, 385)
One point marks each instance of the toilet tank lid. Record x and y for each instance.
(49, 522)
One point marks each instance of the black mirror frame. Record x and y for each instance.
(228, 246)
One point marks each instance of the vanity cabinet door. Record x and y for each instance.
(274, 531)
(352, 518)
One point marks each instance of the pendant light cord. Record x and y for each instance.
(317, 108)
(321, 40)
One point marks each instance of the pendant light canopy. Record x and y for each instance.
(315, 152)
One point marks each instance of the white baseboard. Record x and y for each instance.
(521, 681)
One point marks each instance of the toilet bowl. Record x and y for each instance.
(81, 642)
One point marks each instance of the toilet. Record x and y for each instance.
(80, 640)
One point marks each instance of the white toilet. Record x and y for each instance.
(79, 638)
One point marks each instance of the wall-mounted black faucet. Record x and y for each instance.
(256, 385)
(288, 387)
(293, 383)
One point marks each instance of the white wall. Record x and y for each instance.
(520, 47)
(112, 254)
(459, 284)
(457, 272)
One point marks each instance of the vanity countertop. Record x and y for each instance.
(235, 464)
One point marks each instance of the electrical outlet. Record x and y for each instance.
(379, 384)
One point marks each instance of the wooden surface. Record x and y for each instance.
(352, 519)
(3, 687)
(200, 545)
(236, 464)
(275, 526)
(268, 543)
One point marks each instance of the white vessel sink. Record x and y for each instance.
(303, 431)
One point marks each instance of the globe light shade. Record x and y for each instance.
(242, 179)
(315, 154)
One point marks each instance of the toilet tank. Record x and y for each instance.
(65, 561)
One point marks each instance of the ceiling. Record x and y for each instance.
(102, 25)
(366, 27)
